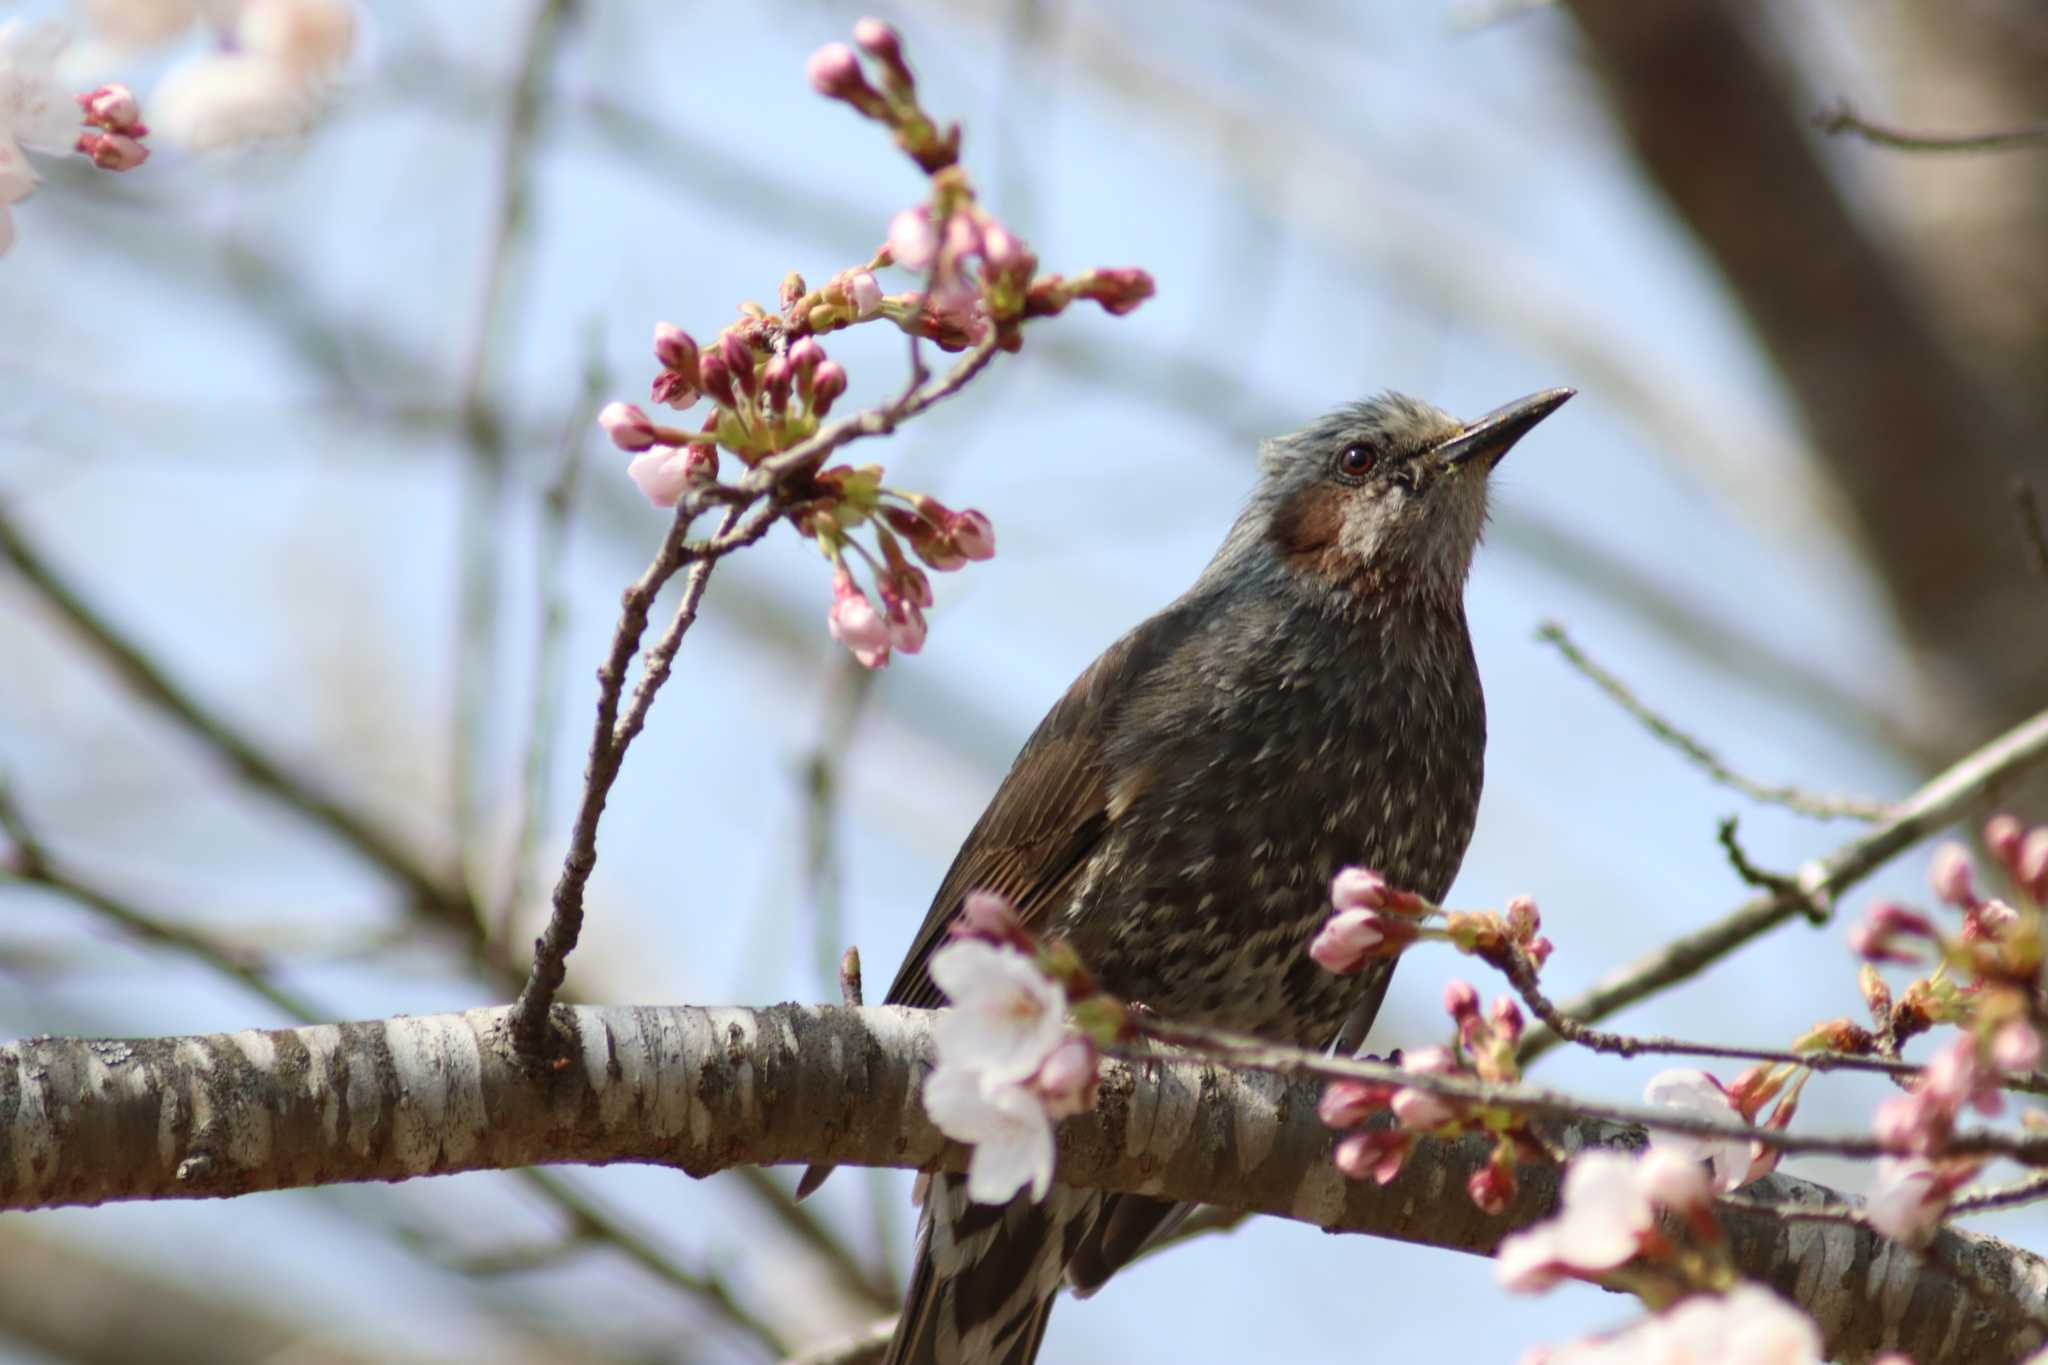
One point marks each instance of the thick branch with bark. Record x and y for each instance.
(84, 1121)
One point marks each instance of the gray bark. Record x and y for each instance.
(88, 1120)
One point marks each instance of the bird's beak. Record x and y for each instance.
(1493, 435)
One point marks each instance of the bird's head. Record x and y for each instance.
(1387, 495)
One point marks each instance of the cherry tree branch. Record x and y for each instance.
(1938, 804)
(1841, 118)
(89, 1120)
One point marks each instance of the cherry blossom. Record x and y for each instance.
(1604, 1213)
(1006, 1123)
(1006, 1017)
(1696, 1092)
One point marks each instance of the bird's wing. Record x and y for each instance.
(1051, 813)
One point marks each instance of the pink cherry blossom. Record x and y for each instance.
(1347, 1103)
(865, 295)
(2016, 1046)
(663, 473)
(913, 242)
(1907, 1199)
(1674, 1179)
(112, 151)
(1695, 1092)
(627, 425)
(1006, 1017)
(1347, 939)
(1376, 1154)
(1952, 877)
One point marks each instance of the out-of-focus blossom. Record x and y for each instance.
(1068, 1079)
(1732, 1162)
(2016, 1046)
(1419, 1109)
(1748, 1325)
(1604, 1214)
(913, 241)
(271, 85)
(865, 295)
(663, 473)
(36, 109)
(973, 534)
(855, 623)
(1952, 877)
(1910, 1194)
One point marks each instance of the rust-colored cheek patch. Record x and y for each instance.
(1308, 528)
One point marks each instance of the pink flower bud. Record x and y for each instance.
(1507, 1019)
(1539, 950)
(1347, 939)
(1118, 291)
(112, 151)
(1419, 1111)
(2016, 1046)
(828, 381)
(1358, 888)
(984, 914)
(716, 377)
(835, 73)
(663, 474)
(1884, 922)
(739, 361)
(855, 623)
(906, 626)
(628, 427)
(1068, 1077)
(673, 388)
(1523, 918)
(112, 107)
(972, 534)
(865, 295)
(1490, 1188)
(2030, 864)
(1004, 253)
(1376, 1153)
(1903, 1123)
(805, 356)
(776, 378)
(1346, 1104)
(1989, 921)
(937, 551)
(879, 41)
(2002, 836)
(1952, 877)
(675, 349)
(913, 242)
(912, 583)
(1461, 1002)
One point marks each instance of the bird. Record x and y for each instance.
(1312, 702)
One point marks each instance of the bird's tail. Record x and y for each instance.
(986, 1275)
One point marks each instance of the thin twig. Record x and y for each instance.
(1255, 1054)
(1841, 118)
(1791, 798)
(1516, 968)
(557, 510)
(1774, 882)
(2027, 1191)
(481, 552)
(752, 506)
(1928, 810)
(148, 680)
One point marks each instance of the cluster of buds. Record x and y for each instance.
(945, 539)
(1373, 920)
(1012, 1056)
(1484, 1050)
(114, 130)
(835, 72)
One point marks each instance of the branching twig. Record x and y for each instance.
(1935, 805)
(1791, 798)
(446, 904)
(1841, 118)
(1777, 883)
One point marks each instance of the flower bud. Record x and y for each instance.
(739, 361)
(662, 473)
(1118, 291)
(1507, 1019)
(675, 349)
(864, 294)
(776, 378)
(855, 623)
(1461, 1002)
(1952, 877)
(835, 73)
(972, 534)
(984, 914)
(628, 427)
(1419, 1111)
(1346, 1103)
(2002, 836)
(828, 381)
(113, 108)
(1490, 1188)
(936, 550)
(2030, 864)
(1523, 918)
(879, 41)
(1348, 939)
(913, 242)
(1068, 1078)
(792, 290)
(112, 151)
(1539, 950)
(906, 626)
(805, 356)
(915, 587)
(716, 377)
(1377, 1153)
(1358, 888)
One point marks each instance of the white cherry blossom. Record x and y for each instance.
(1007, 1016)
(1005, 1121)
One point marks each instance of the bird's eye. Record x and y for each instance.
(1356, 460)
